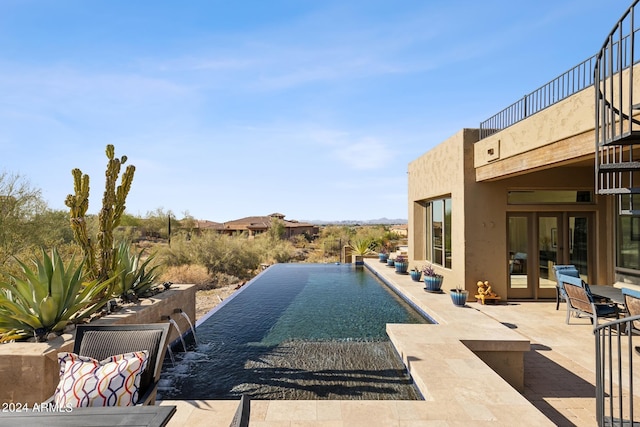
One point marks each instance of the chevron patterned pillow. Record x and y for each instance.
(111, 382)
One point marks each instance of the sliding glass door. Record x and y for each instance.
(539, 240)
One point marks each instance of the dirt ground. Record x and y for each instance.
(208, 299)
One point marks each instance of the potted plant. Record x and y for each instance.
(390, 262)
(359, 249)
(383, 255)
(432, 280)
(459, 296)
(416, 274)
(402, 264)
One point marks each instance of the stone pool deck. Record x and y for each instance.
(450, 363)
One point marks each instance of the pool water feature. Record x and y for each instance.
(298, 331)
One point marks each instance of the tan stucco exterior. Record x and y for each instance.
(553, 149)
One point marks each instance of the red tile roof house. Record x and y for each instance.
(255, 225)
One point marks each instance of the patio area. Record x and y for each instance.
(459, 389)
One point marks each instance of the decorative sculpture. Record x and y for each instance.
(485, 292)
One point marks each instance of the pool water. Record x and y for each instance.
(298, 331)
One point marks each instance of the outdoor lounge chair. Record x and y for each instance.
(632, 305)
(569, 270)
(581, 301)
(101, 342)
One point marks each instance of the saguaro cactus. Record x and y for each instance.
(100, 255)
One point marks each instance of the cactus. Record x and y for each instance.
(100, 255)
(78, 204)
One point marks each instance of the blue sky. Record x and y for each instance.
(230, 109)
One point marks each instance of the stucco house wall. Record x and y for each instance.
(479, 211)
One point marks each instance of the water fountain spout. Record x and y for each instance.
(193, 330)
(186, 316)
(175, 325)
(171, 356)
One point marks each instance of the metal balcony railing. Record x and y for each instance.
(615, 387)
(574, 80)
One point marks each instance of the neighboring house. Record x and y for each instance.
(506, 202)
(203, 226)
(255, 225)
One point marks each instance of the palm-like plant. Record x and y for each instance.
(133, 277)
(47, 299)
(362, 246)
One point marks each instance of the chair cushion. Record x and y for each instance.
(100, 344)
(114, 381)
(605, 310)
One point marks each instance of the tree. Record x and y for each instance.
(156, 223)
(20, 206)
(277, 229)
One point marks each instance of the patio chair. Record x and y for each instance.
(569, 270)
(632, 306)
(101, 342)
(580, 301)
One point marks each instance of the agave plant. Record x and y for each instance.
(362, 246)
(49, 298)
(133, 277)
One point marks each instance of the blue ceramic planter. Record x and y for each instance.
(416, 275)
(401, 267)
(390, 262)
(433, 283)
(383, 257)
(459, 298)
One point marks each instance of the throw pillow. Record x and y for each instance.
(85, 381)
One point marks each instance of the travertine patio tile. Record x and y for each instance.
(259, 409)
(292, 410)
(328, 410)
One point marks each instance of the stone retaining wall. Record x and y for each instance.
(29, 371)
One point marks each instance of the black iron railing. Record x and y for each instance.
(576, 79)
(615, 386)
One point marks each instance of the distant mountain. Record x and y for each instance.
(381, 221)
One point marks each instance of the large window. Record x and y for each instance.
(439, 232)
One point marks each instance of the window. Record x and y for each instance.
(438, 228)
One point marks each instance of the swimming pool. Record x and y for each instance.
(298, 331)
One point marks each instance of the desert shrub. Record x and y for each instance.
(189, 273)
(181, 252)
(274, 250)
(233, 255)
(299, 241)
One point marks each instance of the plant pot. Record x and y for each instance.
(383, 257)
(416, 275)
(358, 261)
(401, 267)
(433, 283)
(390, 262)
(459, 297)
